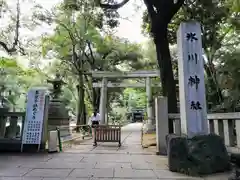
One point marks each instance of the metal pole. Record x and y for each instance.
(59, 140)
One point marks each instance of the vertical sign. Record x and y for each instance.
(191, 80)
(33, 123)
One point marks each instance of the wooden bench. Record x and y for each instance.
(107, 133)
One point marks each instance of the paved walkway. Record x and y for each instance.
(85, 162)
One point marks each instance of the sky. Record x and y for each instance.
(129, 28)
(130, 21)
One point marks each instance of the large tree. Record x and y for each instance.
(13, 23)
(218, 31)
(77, 22)
(14, 43)
(81, 46)
(15, 82)
(160, 13)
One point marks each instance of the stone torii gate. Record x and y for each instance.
(104, 75)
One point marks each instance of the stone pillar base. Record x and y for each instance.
(58, 117)
(149, 128)
(201, 155)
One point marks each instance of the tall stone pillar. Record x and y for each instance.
(149, 125)
(193, 112)
(153, 111)
(161, 106)
(191, 80)
(149, 101)
(103, 100)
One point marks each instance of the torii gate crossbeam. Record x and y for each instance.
(134, 74)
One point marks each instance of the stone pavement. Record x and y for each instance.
(85, 162)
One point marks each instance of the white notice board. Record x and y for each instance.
(33, 124)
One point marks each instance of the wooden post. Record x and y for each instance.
(161, 106)
(45, 132)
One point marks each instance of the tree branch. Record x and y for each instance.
(112, 6)
(151, 12)
(17, 25)
(21, 49)
(88, 88)
(176, 6)
(91, 52)
(9, 50)
(16, 36)
(73, 63)
(68, 30)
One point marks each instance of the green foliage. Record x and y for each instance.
(93, 50)
(100, 17)
(134, 98)
(116, 117)
(220, 35)
(15, 82)
(214, 16)
(228, 73)
(83, 27)
(234, 5)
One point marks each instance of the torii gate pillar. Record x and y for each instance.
(149, 126)
(149, 101)
(103, 100)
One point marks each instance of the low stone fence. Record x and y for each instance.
(73, 134)
(226, 125)
(11, 125)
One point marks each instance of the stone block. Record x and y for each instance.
(104, 165)
(166, 174)
(21, 178)
(200, 155)
(49, 173)
(16, 172)
(134, 174)
(177, 152)
(94, 173)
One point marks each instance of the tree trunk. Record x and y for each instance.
(81, 115)
(84, 114)
(166, 70)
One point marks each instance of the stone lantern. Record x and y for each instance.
(57, 112)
